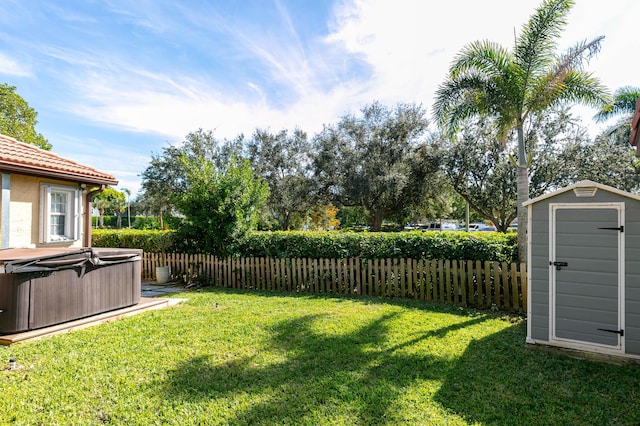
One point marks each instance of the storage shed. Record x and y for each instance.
(584, 269)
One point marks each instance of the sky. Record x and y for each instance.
(115, 81)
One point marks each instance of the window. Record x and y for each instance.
(60, 214)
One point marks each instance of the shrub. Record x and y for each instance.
(129, 238)
(431, 245)
(220, 205)
(368, 245)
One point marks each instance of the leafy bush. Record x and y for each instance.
(368, 245)
(129, 238)
(431, 245)
(220, 205)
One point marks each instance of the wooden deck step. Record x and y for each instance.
(144, 305)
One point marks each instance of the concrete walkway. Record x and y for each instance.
(152, 289)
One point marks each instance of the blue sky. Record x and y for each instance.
(114, 81)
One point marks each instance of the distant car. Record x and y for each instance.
(473, 227)
(434, 226)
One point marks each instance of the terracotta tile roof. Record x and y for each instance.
(635, 135)
(19, 157)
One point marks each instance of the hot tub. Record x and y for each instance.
(43, 287)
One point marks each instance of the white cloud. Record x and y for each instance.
(10, 66)
(174, 109)
(404, 47)
(410, 43)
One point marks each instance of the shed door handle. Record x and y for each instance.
(620, 332)
(617, 228)
(559, 265)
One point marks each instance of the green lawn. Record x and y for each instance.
(224, 357)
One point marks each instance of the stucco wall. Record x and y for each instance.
(25, 211)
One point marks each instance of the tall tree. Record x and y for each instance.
(378, 160)
(481, 171)
(608, 162)
(488, 80)
(283, 161)
(127, 194)
(166, 176)
(110, 200)
(18, 119)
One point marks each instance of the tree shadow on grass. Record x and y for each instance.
(498, 380)
(354, 377)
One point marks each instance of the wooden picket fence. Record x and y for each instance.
(481, 284)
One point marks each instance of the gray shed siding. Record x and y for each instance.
(539, 263)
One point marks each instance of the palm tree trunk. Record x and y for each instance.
(101, 221)
(523, 195)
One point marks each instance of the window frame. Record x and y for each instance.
(72, 214)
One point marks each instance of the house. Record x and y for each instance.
(45, 199)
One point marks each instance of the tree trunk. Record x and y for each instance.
(523, 195)
(101, 221)
(376, 224)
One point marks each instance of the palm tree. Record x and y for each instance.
(488, 80)
(127, 193)
(623, 106)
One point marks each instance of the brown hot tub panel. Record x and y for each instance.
(53, 288)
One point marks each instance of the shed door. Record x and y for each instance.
(586, 274)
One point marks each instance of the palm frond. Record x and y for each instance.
(550, 88)
(535, 47)
(576, 56)
(484, 56)
(457, 99)
(623, 103)
(582, 88)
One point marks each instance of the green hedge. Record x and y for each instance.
(369, 245)
(128, 238)
(430, 245)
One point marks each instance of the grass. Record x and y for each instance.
(225, 357)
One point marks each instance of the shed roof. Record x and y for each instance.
(23, 158)
(584, 185)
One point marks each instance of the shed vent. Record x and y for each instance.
(585, 191)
